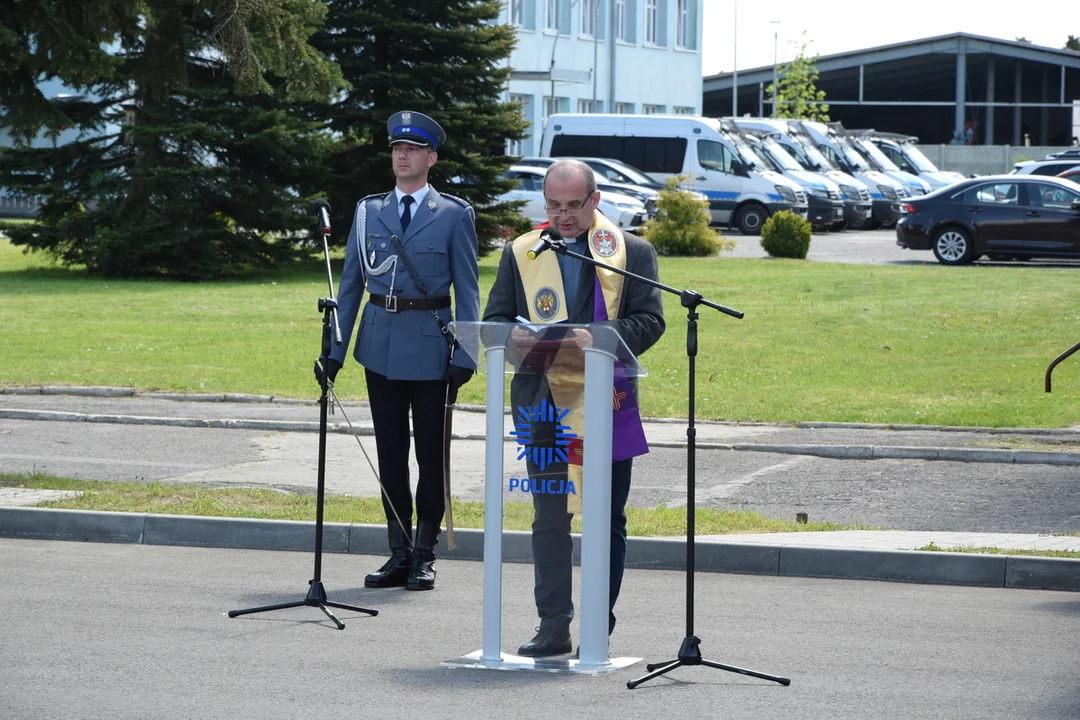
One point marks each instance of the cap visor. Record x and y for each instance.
(411, 141)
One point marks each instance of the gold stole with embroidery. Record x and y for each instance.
(542, 282)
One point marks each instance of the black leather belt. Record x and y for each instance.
(394, 303)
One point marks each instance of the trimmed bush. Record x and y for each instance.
(681, 225)
(786, 235)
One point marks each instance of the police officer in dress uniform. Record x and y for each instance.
(402, 341)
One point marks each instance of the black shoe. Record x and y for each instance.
(547, 642)
(421, 570)
(394, 573)
(422, 563)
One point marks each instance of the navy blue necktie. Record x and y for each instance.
(406, 216)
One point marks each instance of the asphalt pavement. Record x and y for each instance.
(120, 631)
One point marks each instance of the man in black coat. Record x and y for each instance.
(555, 288)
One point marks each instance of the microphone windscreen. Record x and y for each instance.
(320, 203)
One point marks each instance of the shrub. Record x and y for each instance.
(681, 225)
(787, 235)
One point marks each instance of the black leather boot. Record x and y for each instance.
(422, 567)
(395, 572)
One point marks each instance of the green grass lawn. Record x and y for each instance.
(175, 499)
(820, 341)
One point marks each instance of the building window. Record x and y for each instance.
(523, 14)
(521, 147)
(624, 108)
(620, 20)
(553, 15)
(555, 105)
(683, 110)
(682, 24)
(585, 106)
(589, 13)
(652, 109)
(651, 18)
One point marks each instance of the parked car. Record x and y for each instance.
(647, 195)
(1073, 152)
(613, 172)
(1073, 175)
(623, 210)
(1005, 217)
(1044, 167)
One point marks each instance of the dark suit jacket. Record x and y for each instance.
(641, 313)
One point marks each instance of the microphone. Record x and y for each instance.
(547, 237)
(322, 209)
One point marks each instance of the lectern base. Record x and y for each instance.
(565, 665)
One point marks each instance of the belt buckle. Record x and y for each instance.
(390, 303)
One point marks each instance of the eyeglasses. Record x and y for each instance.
(570, 211)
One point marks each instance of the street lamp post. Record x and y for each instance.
(735, 64)
(775, 74)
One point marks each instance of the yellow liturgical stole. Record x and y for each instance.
(542, 283)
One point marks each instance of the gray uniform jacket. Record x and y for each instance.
(641, 313)
(441, 243)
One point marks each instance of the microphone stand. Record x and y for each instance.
(316, 595)
(689, 653)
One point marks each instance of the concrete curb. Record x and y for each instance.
(938, 568)
(836, 452)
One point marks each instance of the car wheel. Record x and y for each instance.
(751, 218)
(839, 226)
(953, 246)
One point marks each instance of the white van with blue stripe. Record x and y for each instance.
(742, 192)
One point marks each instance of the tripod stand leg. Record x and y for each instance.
(655, 673)
(354, 608)
(264, 608)
(340, 625)
(744, 671)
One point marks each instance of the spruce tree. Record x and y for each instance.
(443, 58)
(183, 168)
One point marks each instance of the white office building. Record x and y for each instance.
(564, 60)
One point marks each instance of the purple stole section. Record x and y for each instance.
(627, 433)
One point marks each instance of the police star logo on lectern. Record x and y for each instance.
(545, 454)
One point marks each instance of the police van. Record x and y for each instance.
(857, 205)
(823, 197)
(742, 192)
(886, 193)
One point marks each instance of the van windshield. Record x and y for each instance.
(915, 157)
(875, 153)
(852, 155)
(780, 156)
(810, 156)
(749, 156)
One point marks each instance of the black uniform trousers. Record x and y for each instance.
(391, 401)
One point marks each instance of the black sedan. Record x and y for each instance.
(1005, 217)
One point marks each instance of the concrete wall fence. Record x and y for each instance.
(984, 159)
